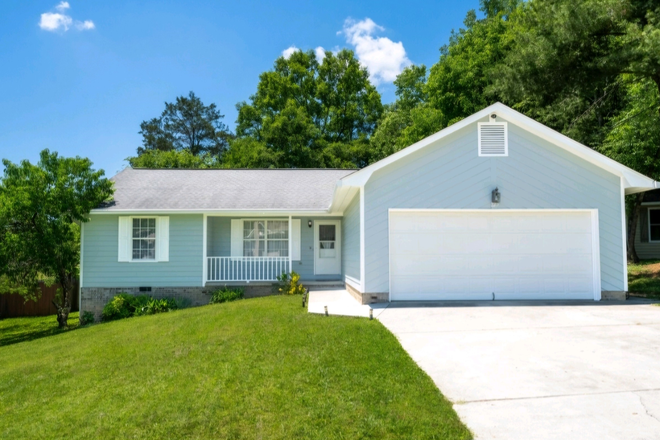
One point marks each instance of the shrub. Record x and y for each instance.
(86, 318)
(154, 306)
(119, 307)
(226, 294)
(289, 284)
(125, 305)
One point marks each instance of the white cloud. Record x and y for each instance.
(59, 21)
(286, 53)
(52, 21)
(85, 25)
(383, 58)
(320, 53)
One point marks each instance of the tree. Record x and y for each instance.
(457, 84)
(634, 140)
(41, 207)
(173, 159)
(308, 114)
(567, 63)
(186, 124)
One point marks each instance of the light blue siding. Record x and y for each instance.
(218, 237)
(351, 239)
(451, 175)
(219, 244)
(101, 268)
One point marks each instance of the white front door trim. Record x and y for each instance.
(595, 237)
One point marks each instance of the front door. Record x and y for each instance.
(327, 247)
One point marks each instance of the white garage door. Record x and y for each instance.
(458, 255)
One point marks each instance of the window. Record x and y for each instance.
(144, 239)
(327, 241)
(265, 238)
(654, 224)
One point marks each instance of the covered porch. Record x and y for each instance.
(247, 249)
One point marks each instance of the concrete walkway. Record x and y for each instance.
(539, 371)
(340, 302)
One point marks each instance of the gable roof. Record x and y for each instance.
(223, 190)
(632, 180)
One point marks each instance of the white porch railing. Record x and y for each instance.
(245, 268)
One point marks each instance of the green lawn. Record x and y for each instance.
(26, 329)
(644, 278)
(258, 368)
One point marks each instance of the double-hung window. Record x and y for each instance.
(144, 239)
(265, 238)
(654, 224)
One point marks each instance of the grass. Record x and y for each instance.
(644, 278)
(16, 330)
(260, 368)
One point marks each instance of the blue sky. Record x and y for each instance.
(78, 77)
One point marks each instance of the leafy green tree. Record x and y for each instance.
(308, 114)
(566, 65)
(410, 118)
(457, 84)
(186, 124)
(173, 159)
(634, 140)
(41, 207)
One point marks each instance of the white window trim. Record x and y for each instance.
(506, 139)
(288, 240)
(649, 223)
(144, 260)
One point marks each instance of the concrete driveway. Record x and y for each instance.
(540, 370)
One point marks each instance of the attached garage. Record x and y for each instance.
(493, 254)
(496, 206)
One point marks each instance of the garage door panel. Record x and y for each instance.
(471, 255)
(405, 244)
(429, 243)
(579, 284)
(578, 263)
(578, 242)
(577, 223)
(531, 263)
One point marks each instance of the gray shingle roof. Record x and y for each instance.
(289, 189)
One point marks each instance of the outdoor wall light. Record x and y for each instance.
(495, 196)
(493, 116)
(309, 223)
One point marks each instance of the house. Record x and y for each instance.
(647, 233)
(496, 206)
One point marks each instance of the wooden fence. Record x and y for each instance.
(14, 306)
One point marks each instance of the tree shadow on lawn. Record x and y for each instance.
(15, 330)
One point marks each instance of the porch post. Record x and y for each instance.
(204, 251)
(290, 244)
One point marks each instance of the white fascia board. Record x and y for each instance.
(217, 212)
(631, 178)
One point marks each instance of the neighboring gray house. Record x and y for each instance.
(496, 206)
(647, 234)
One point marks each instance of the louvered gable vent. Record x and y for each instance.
(493, 140)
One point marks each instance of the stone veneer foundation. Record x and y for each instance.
(93, 299)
